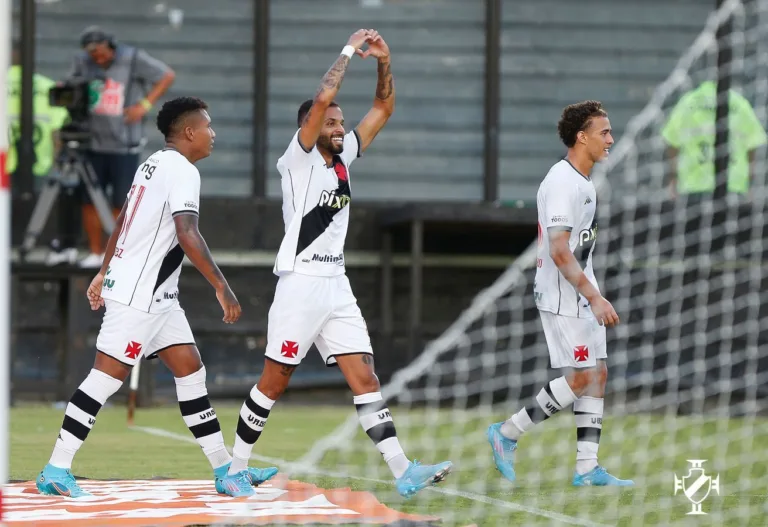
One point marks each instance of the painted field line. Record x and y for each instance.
(289, 466)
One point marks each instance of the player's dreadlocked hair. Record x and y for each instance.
(304, 110)
(577, 117)
(172, 114)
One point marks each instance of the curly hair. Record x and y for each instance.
(173, 112)
(577, 117)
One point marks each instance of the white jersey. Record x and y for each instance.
(144, 271)
(566, 200)
(316, 201)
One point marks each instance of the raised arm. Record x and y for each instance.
(384, 101)
(329, 87)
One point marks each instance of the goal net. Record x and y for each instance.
(688, 366)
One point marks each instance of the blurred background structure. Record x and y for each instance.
(444, 201)
(442, 237)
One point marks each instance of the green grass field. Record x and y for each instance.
(641, 447)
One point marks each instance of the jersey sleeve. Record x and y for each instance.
(184, 196)
(149, 68)
(295, 154)
(351, 147)
(559, 205)
(749, 125)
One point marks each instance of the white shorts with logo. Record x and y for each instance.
(573, 342)
(315, 309)
(128, 334)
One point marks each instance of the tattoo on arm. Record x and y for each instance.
(367, 359)
(333, 77)
(286, 371)
(385, 84)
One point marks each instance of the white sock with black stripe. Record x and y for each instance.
(80, 415)
(376, 420)
(589, 425)
(201, 418)
(253, 418)
(555, 396)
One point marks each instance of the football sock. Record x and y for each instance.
(555, 396)
(80, 415)
(253, 417)
(589, 424)
(201, 418)
(376, 420)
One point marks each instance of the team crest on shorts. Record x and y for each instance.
(133, 350)
(581, 353)
(289, 349)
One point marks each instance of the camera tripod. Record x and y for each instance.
(73, 169)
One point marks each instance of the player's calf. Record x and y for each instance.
(376, 419)
(79, 418)
(200, 417)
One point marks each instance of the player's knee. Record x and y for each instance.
(271, 391)
(366, 382)
(602, 374)
(581, 380)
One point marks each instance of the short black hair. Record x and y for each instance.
(173, 112)
(577, 117)
(304, 110)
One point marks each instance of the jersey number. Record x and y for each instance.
(134, 200)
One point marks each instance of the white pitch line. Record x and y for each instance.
(293, 467)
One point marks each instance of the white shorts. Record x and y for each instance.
(315, 309)
(573, 342)
(128, 334)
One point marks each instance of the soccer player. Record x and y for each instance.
(573, 313)
(313, 301)
(138, 285)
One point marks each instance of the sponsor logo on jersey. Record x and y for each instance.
(171, 296)
(559, 219)
(333, 200)
(328, 258)
(587, 237)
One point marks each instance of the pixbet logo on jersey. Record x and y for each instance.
(333, 200)
(588, 236)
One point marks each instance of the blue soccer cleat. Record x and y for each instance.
(260, 475)
(598, 477)
(418, 476)
(503, 449)
(256, 475)
(55, 481)
(237, 485)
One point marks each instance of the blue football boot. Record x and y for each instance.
(599, 477)
(419, 476)
(503, 449)
(55, 481)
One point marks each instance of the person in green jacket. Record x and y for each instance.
(690, 136)
(47, 121)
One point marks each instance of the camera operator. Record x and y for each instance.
(125, 83)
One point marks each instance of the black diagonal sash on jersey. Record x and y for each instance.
(316, 221)
(171, 262)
